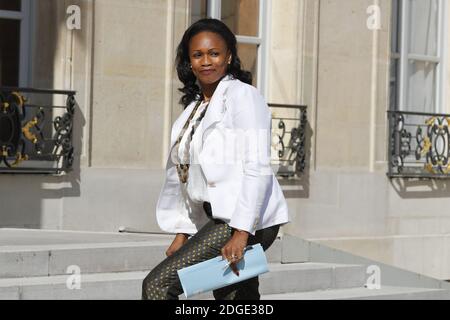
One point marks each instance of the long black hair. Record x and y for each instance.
(191, 90)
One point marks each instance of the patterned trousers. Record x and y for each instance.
(162, 283)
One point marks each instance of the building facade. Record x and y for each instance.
(363, 68)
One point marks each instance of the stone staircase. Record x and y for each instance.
(38, 264)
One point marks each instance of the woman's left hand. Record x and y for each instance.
(233, 251)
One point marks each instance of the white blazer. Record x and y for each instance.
(235, 158)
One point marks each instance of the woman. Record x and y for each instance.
(220, 193)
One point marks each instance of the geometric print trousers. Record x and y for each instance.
(162, 283)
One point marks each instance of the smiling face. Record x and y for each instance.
(209, 57)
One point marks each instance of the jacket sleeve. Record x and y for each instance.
(252, 124)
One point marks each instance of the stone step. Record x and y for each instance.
(127, 285)
(295, 277)
(10, 237)
(384, 293)
(97, 257)
(33, 253)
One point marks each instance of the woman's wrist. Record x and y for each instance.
(242, 233)
(182, 235)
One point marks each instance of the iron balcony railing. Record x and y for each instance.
(36, 132)
(419, 145)
(289, 123)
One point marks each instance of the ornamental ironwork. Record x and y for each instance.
(35, 135)
(419, 145)
(289, 124)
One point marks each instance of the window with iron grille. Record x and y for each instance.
(419, 123)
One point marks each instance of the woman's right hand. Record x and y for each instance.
(177, 243)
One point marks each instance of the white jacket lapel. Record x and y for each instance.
(216, 107)
(214, 114)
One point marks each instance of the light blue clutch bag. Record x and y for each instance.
(215, 273)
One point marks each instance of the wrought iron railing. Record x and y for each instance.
(419, 145)
(35, 134)
(289, 123)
